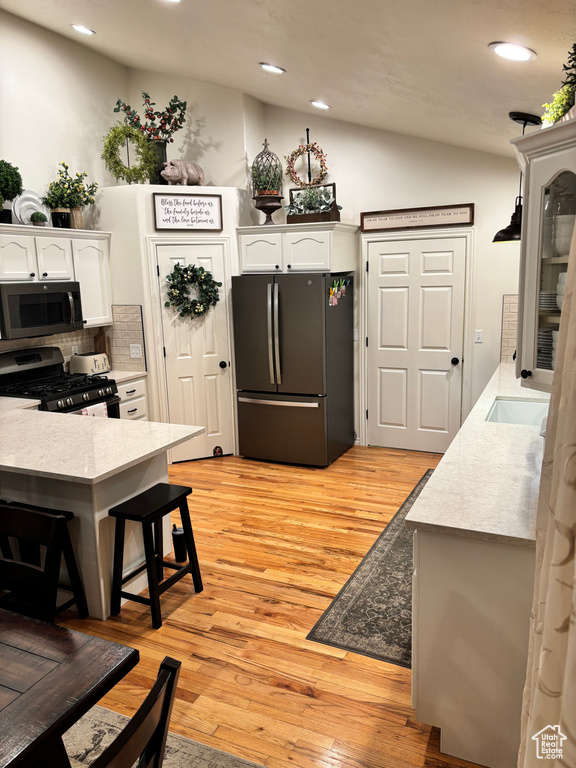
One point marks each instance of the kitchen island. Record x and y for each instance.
(474, 554)
(85, 466)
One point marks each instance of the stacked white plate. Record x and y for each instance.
(545, 349)
(28, 203)
(548, 301)
(555, 335)
(560, 288)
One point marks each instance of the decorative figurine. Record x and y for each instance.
(183, 172)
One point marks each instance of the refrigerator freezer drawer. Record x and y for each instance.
(287, 429)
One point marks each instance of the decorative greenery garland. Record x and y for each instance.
(179, 282)
(137, 174)
(302, 150)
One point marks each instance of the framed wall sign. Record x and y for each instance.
(414, 218)
(202, 213)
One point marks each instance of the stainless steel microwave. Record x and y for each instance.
(39, 309)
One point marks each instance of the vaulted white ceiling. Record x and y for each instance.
(417, 67)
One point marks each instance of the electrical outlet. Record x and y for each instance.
(478, 337)
(135, 350)
(74, 349)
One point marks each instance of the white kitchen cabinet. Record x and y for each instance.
(317, 247)
(27, 255)
(261, 252)
(17, 258)
(133, 403)
(92, 270)
(26, 258)
(548, 158)
(54, 259)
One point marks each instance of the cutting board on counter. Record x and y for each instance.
(102, 344)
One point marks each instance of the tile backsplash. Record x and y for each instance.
(509, 327)
(84, 340)
(126, 330)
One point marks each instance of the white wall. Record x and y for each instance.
(56, 103)
(375, 170)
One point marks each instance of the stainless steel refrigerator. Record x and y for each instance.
(293, 344)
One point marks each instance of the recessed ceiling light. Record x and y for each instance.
(272, 68)
(173, 1)
(513, 51)
(320, 104)
(83, 30)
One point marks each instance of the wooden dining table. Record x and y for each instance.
(49, 677)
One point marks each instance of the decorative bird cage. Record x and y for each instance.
(266, 173)
(267, 182)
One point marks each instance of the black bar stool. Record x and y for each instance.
(148, 509)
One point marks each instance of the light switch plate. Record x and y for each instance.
(478, 337)
(135, 350)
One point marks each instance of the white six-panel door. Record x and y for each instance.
(199, 390)
(415, 331)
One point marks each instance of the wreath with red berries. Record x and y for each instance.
(303, 149)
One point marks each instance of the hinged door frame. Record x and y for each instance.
(422, 234)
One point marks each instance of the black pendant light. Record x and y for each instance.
(513, 230)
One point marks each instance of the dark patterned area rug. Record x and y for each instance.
(86, 740)
(372, 613)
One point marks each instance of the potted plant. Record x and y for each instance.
(564, 99)
(68, 194)
(158, 128)
(266, 181)
(38, 219)
(313, 204)
(10, 187)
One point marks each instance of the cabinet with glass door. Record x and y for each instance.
(548, 158)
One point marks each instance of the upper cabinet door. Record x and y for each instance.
(17, 258)
(548, 225)
(54, 258)
(261, 253)
(92, 271)
(307, 251)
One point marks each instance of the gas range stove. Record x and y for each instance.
(38, 373)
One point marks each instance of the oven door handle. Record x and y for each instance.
(72, 311)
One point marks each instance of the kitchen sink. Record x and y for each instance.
(508, 411)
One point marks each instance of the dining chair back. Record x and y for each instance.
(30, 587)
(33, 543)
(144, 737)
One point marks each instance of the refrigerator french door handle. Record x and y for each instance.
(270, 340)
(284, 403)
(277, 335)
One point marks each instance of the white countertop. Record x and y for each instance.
(8, 404)
(78, 448)
(487, 483)
(121, 377)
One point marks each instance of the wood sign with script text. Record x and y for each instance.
(202, 213)
(413, 218)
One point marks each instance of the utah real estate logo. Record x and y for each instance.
(549, 743)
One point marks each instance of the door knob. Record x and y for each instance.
(223, 364)
(455, 361)
(525, 374)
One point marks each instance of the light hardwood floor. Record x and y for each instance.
(276, 543)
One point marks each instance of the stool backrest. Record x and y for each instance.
(144, 738)
(30, 557)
